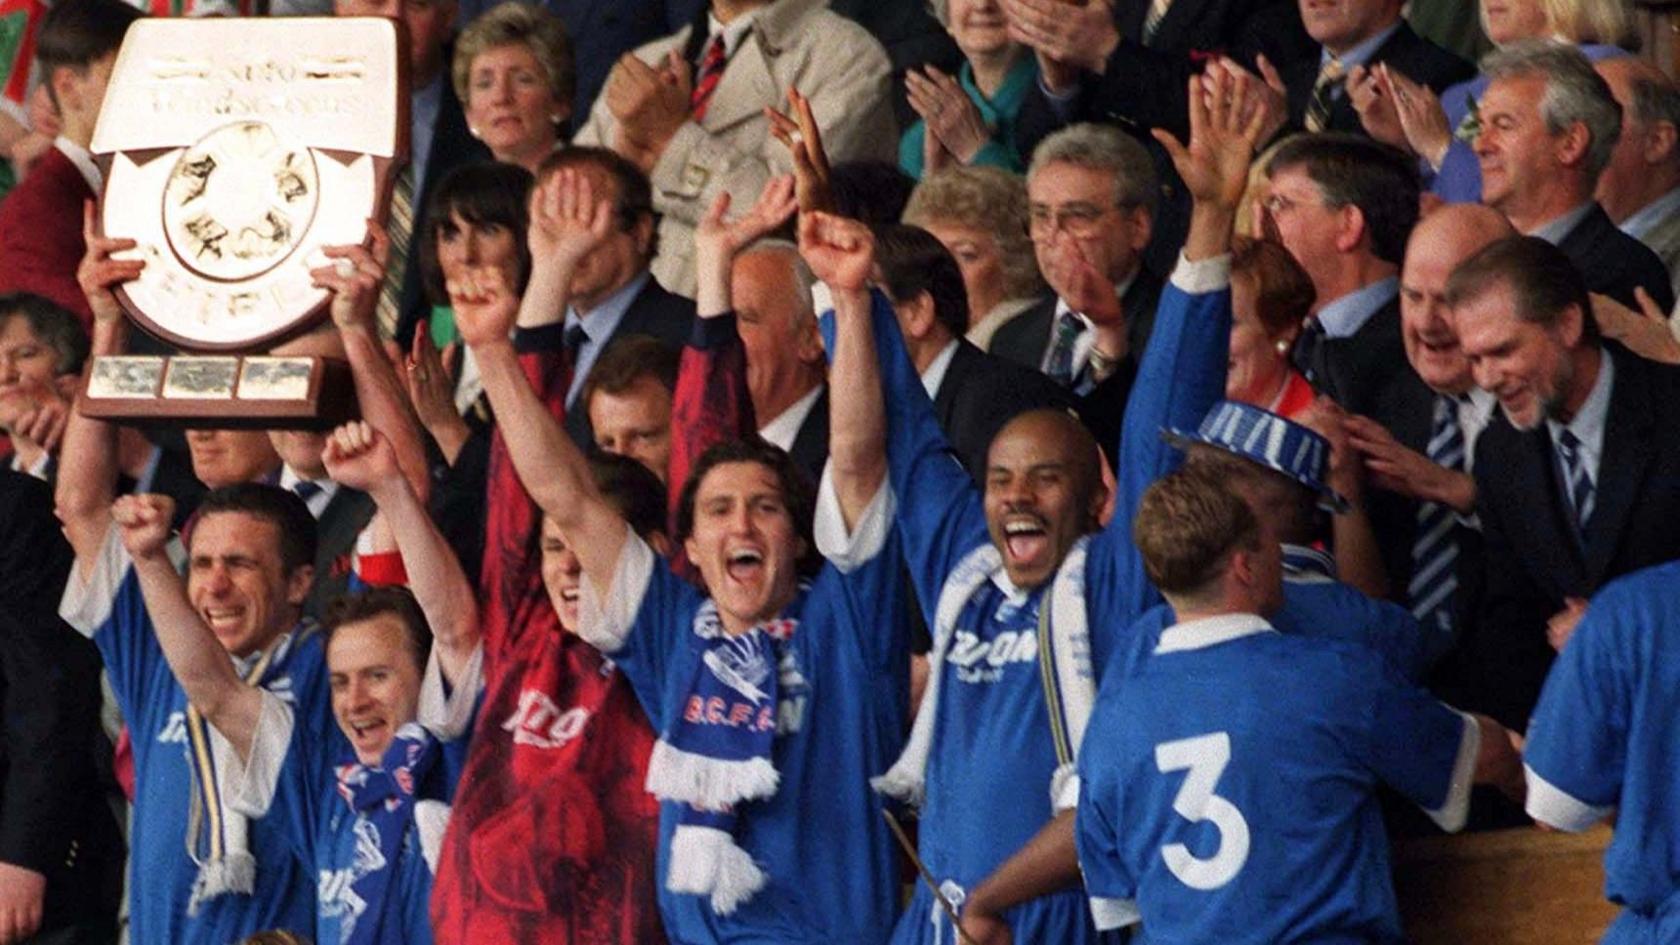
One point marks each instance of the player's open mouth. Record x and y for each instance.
(744, 564)
(367, 730)
(1025, 539)
(223, 619)
(569, 595)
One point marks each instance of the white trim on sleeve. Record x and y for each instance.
(1553, 806)
(848, 552)
(1111, 914)
(87, 599)
(605, 624)
(1455, 808)
(1202, 276)
(449, 716)
(249, 789)
(431, 819)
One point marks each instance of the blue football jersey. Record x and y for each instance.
(1229, 785)
(1603, 739)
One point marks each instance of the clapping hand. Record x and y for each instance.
(948, 113)
(144, 521)
(360, 457)
(485, 305)
(98, 274)
(804, 142)
(1421, 116)
(650, 104)
(1073, 35)
(840, 252)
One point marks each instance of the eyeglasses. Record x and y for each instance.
(1079, 220)
(1276, 203)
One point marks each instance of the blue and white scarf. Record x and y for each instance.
(715, 754)
(382, 799)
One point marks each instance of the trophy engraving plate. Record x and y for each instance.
(200, 378)
(119, 377)
(275, 379)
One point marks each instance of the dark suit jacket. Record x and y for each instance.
(1614, 263)
(452, 146)
(911, 37)
(1358, 371)
(1534, 558)
(810, 444)
(980, 393)
(53, 815)
(1405, 52)
(653, 312)
(341, 521)
(41, 234)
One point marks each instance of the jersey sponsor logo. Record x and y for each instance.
(174, 730)
(540, 723)
(984, 661)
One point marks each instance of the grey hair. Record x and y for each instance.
(1654, 101)
(804, 279)
(990, 200)
(1102, 148)
(1575, 92)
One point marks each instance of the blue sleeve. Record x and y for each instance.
(306, 782)
(940, 516)
(1578, 739)
(129, 647)
(1460, 178)
(1181, 377)
(661, 627)
(1095, 824)
(1412, 741)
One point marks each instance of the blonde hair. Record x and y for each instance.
(988, 199)
(514, 23)
(1606, 22)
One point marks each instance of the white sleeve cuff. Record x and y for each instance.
(88, 596)
(250, 789)
(431, 819)
(1552, 805)
(1455, 808)
(1111, 914)
(605, 624)
(449, 716)
(1202, 276)
(850, 551)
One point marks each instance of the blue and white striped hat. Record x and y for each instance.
(1263, 437)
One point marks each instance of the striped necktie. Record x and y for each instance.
(1330, 75)
(1580, 485)
(1435, 548)
(711, 72)
(1152, 19)
(400, 228)
(1060, 363)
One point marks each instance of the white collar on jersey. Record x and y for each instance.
(1211, 631)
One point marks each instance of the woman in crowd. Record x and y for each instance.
(42, 347)
(969, 119)
(514, 74)
(980, 214)
(1270, 296)
(1440, 131)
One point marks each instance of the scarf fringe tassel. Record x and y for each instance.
(707, 861)
(234, 873)
(710, 784)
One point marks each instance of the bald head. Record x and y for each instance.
(1646, 161)
(1043, 491)
(1441, 241)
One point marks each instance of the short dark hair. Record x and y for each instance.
(1187, 525)
(632, 489)
(78, 33)
(279, 507)
(628, 360)
(56, 326)
(797, 492)
(913, 261)
(1542, 280)
(872, 192)
(635, 192)
(487, 192)
(398, 602)
(1382, 181)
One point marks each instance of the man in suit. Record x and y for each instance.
(974, 393)
(787, 378)
(1090, 190)
(61, 856)
(1343, 206)
(41, 220)
(689, 109)
(628, 398)
(1575, 482)
(1640, 187)
(438, 141)
(1548, 125)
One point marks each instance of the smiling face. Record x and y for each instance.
(1507, 21)
(1441, 242)
(1298, 217)
(237, 584)
(1340, 25)
(1042, 494)
(562, 575)
(374, 681)
(1519, 156)
(511, 106)
(1525, 364)
(978, 26)
(745, 543)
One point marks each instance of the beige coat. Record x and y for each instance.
(831, 60)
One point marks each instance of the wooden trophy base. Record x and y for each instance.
(261, 392)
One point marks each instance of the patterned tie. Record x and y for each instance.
(1435, 549)
(1308, 350)
(1060, 364)
(1575, 473)
(1330, 75)
(1152, 19)
(400, 229)
(711, 71)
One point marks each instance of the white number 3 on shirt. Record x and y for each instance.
(1205, 758)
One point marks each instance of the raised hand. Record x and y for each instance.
(1226, 124)
(650, 104)
(144, 523)
(485, 305)
(567, 222)
(98, 274)
(1421, 116)
(950, 115)
(840, 252)
(803, 138)
(1375, 107)
(718, 236)
(354, 275)
(360, 457)
(1078, 35)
